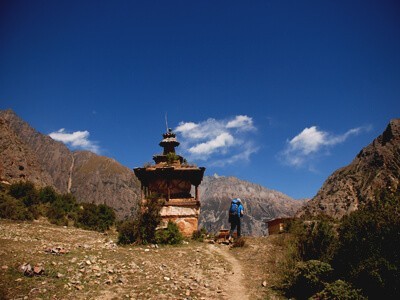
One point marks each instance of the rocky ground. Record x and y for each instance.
(43, 261)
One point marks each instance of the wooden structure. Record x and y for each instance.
(277, 225)
(172, 179)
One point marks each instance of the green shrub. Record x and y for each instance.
(171, 157)
(63, 209)
(24, 202)
(314, 239)
(21, 189)
(128, 232)
(306, 279)
(199, 235)
(11, 208)
(95, 217)
(150, 218)
(368, 254)
(170, 235)
(106, 216)
(24, 191)
(339, 290)
(47, 194)
(142, 228)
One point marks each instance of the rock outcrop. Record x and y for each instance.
(375, 168)
(54, 157)
(260, 204)
(17, 161)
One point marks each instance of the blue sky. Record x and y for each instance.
(279, 93)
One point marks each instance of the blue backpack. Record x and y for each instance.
(233, 210)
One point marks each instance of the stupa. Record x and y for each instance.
(172, 179)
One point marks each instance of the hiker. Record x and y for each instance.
(235, 214)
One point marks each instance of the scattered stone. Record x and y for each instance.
(56, 250)
(96, 268)
(4, 267)
(38, 270)
(146, 250)
(27, 270)
(59, 275)
(167, 278)
(264, 284)
(122, 280)
(110, 245)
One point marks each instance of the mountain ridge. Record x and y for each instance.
(375, 168)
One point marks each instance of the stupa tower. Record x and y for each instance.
(172, 179)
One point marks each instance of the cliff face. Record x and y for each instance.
(53, 157)
(375, 168)
(29, 155)
(17, 161)
(260, 204)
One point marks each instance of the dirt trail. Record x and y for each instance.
(233, 285)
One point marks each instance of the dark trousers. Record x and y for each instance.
(235, 223)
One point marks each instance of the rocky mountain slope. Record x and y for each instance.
(260, 204)
(29, 155)
(100, 177)
(17, 161)
(375, 168)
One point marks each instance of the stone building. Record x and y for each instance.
(172, 180)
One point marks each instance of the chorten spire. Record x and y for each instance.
(169, 142)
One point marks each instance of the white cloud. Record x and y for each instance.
(310, 142)
(77, 140)
(221, 141)
(244, 156)
(241, 123)
(217, 140)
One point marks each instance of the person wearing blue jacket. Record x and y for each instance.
(236, 212)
